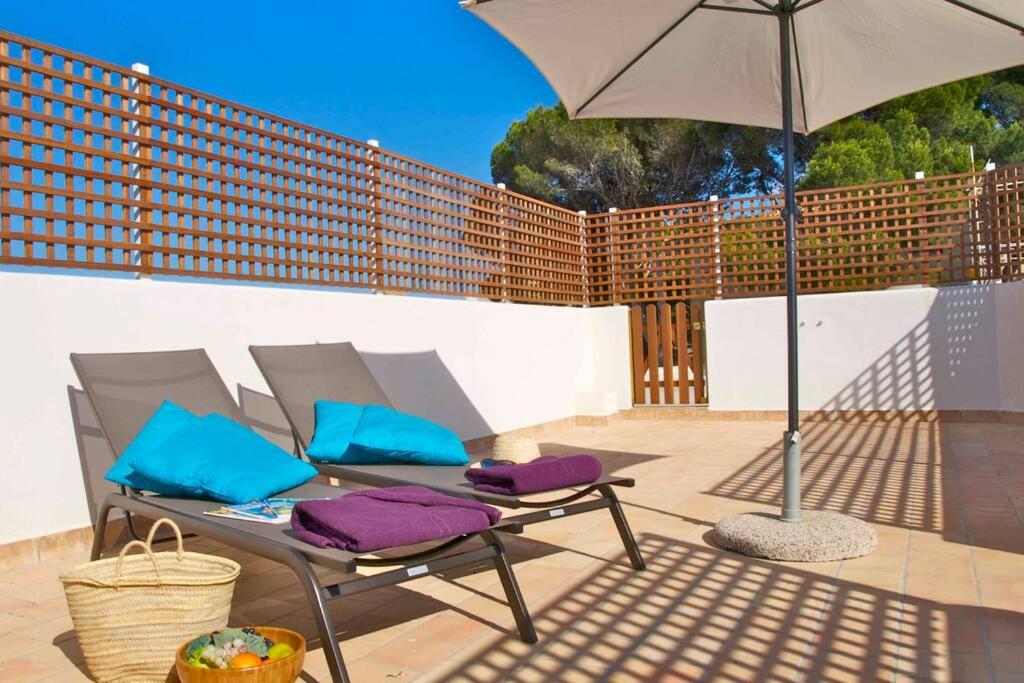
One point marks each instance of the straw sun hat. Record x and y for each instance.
(515, 448)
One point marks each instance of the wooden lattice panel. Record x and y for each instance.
(1001, 239)
(648, 254)
(66, 131)
(232, 192)
(105, 168)
(544, 251)
(440, 231)
(942, 230)
(877, 236)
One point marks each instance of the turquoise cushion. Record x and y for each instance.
(221, 459)
(335, 425)
(392, 435)
(382, 436)
(168, 420)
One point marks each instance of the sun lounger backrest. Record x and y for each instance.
(126, 388)
(300, 375)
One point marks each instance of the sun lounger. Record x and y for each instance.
(125, 389)
(300, 375)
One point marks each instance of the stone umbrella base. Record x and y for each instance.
(817, 537)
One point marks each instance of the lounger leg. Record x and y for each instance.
(101, 529)
(625, 533)
(328, 638)
(130, 521)
(524, 622)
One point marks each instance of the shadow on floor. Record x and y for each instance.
(961, 480)
(700, 614)
(887, 474)
(268, 593)
(612, 462)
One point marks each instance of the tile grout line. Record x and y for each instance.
(986, 638)
(825, 604)
(902, 607)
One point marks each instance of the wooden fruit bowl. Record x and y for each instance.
(273, 671)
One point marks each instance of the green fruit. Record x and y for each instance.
(280, 651)
(196, 661)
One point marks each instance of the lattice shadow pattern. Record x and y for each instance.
(699, 614)
(885, 474)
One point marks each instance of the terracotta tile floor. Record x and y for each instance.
(941, 599)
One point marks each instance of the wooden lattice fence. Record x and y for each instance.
(106, 168)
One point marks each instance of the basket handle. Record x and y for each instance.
(120, 560)
(177, 534)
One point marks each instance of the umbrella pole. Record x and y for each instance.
(791, 439)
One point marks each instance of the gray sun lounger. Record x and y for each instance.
(300, 375)
(126, 388)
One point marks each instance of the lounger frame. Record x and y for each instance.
(345, 362)
(300, 558)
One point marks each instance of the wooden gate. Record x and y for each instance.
(668, 358)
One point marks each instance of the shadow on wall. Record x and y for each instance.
(421, 384)
(945, 362)
(265, 417)
(955, 479)
(94, 454)
(701, 614)
(417, 383)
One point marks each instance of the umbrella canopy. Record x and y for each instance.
(719, 60)
(791, 64)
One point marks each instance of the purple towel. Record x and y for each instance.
(541, 474)
(364, 521)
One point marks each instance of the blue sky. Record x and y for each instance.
(424, 77)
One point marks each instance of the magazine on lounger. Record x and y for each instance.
(268, 511)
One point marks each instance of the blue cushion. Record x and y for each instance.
(221, 459)
(165, 423)
(383, 436)
(335, 425)
(393, 435)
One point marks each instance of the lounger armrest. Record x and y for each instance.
(508, 526)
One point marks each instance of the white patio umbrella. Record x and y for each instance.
(797, 65)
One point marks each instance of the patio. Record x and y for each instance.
(938, 600)
(649, 336)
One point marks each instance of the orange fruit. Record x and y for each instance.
(244, 661)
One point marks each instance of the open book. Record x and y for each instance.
(267, 511)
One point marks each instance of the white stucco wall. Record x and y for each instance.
(949, 348)
(1010, 343)
(478, 367)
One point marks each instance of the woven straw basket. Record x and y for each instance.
(515, 448)
(131, 613)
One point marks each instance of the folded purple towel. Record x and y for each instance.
(364, 521)
(541, 474)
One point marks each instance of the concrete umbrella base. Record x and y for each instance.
(817, 537)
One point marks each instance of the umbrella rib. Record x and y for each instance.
(741, 10)
(806, 5)
(799, 71)
(986, 15)
(636, 59)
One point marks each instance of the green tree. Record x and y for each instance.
(594, 164)
(931, 131)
